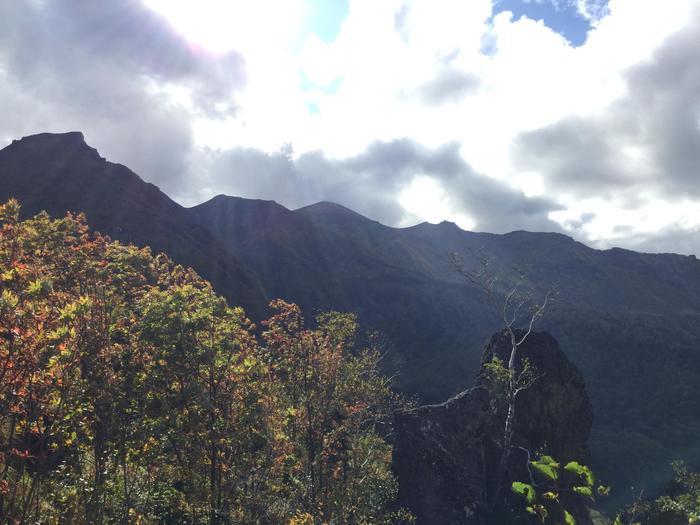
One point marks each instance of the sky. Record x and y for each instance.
(575, 116)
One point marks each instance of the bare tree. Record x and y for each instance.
(516, 303)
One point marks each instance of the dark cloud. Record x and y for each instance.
(673, 239)
(577, 156)
(576, 224)
(450, 85)
(77, 39)
(100, 67)
(658, 117)
(370, 182)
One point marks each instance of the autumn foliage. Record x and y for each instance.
(131, 393)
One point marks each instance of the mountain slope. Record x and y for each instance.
(60, 172)
(629, 321)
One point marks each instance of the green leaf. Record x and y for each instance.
(574, 467)
(568, 518)
(603, 490)
(525, 490)
(581, 470)
(584, 491)
(40, 288)
(548, 460)
(547, 470)
(8, 300)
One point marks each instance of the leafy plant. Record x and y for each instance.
(554, 490)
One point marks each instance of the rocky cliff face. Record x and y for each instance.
(445, 455)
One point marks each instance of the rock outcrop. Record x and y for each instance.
(445, 455)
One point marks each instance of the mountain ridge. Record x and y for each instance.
(60, 139)
(628, 320)
(58, 173)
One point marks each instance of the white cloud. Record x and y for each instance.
(438, 72)
(223, 25)
(425, 199)
(593, 10)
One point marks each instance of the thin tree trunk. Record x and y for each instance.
(508, 429)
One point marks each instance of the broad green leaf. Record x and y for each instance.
(525, 490)
(574, 467)
(584, 491)
(568, 518)
(548, 460)
(546, 470)
(581, 470)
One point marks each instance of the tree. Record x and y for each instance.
(516, 303)
(678, 505)
(339, 411)
(131, 393)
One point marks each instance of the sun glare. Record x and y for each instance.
(425, 199)
(224, 25)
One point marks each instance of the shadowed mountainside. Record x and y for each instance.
(629, 321)
(60, 172)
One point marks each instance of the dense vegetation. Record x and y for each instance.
(131, 393)
(679, 505)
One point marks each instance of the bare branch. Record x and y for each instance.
(527, 464)
(539, 312)
(506, 303)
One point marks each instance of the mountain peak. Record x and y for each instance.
(50, 144)
(445, 224)
(326, 207)
(230, 200)
(69, 137)
(331, 212)
(549, 237)
(227, 205)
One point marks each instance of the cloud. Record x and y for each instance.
(108, 68)
(672, 239)
(577, 156)
(418, 109)
(592, 10)
(371, 181)
(639, 153)
(450, 85)
(75, 40)
(649, 139)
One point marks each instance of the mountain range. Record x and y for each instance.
(629, 321)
